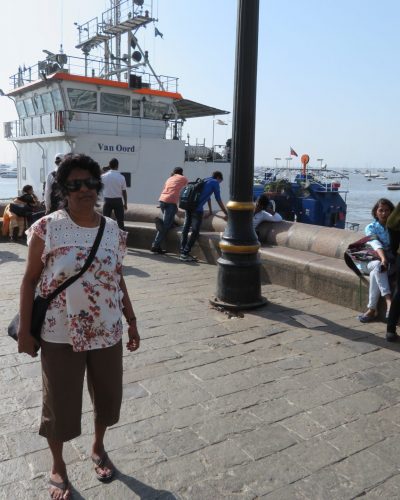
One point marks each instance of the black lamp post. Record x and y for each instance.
(239, 280)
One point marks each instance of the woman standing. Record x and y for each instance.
(82, 330)
(378, 278)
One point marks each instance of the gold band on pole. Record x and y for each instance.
(227, 247)
(240, 205)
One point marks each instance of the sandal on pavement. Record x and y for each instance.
(366, 318)
(101, 463)
(63, 486)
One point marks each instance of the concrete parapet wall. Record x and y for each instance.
(300, 256)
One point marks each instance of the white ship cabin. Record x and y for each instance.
(107, 106)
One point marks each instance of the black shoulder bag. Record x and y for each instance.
(40, 304)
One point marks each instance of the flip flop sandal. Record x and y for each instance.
(62, 485)
(102, 462)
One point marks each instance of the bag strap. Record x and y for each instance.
(86, 265)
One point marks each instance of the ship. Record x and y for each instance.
(109, 102)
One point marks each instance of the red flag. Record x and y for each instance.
(293, 152)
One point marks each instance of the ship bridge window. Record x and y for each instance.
(155, 110)
(20, 108)
(47, 102)
(30, 110)
(115, 103)
(85, 100)
(58, 100)
(37, 102)
(135, 107)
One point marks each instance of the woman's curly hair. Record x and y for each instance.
(77, 161)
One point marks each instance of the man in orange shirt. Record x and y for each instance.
(169, 205)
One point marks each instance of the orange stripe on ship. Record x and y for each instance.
(114, 84)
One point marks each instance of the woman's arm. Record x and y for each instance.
(134, 338)
(34, 267)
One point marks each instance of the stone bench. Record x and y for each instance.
(300, 256)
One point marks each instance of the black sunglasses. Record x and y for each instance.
(76, 184)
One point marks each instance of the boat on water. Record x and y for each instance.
(370, 175)
(109, 102)
(394, 186)
(308, 195)
(9, 175)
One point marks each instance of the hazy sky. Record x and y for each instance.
(328, 70)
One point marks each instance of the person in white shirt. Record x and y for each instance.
(264, 211)
(114, 192)
(52, 198)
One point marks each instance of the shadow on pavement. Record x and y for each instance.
(144, 491)
(167, 258)
(10, 256)
(141, 490)
(284, 314)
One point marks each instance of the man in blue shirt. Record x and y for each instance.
(193, 218)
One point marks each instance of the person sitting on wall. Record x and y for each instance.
(264, 211)
(379, 268)
(21, 212)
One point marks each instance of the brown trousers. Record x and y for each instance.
(63, 373)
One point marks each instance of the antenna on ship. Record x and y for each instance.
(117, 25)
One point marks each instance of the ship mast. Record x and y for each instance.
(115, 5)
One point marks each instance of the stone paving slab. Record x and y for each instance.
(215, 406)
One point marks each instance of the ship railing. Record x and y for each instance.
(45, 124)
(90, 67)
(73, 123)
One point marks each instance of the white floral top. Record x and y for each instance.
(88, 313)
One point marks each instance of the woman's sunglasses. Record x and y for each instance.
(76, 184)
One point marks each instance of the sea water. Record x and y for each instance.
(360, 199)
(8, 188)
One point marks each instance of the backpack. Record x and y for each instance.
(190, 195)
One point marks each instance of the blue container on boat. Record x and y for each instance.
(258, 189)
(310, 211)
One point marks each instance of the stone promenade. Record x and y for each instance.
(297, 400)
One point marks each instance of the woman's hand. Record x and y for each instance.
(27, 344)
(384, 265)
(134, 339)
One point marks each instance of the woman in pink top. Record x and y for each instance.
(169, 206)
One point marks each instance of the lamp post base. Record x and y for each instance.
(239, 283)
(238, 307)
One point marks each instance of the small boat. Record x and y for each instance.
(371, 176)
(394, 186)
(9, 175)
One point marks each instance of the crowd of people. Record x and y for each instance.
(82, 331)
